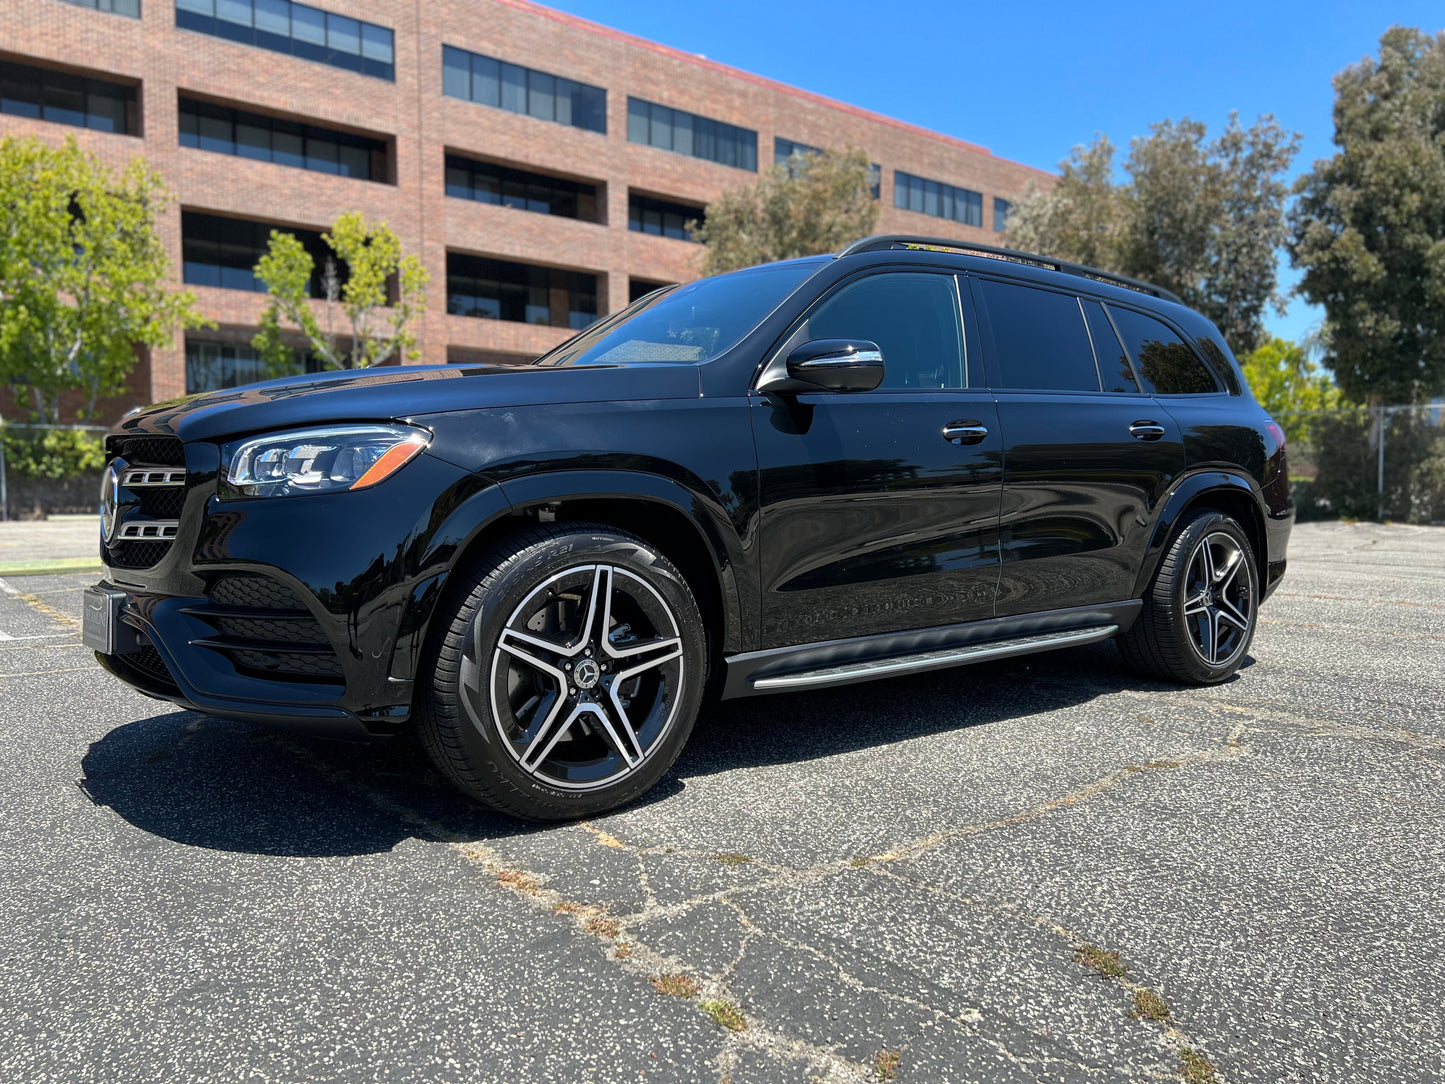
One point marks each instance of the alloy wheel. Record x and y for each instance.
(1219, 599)
(583, 680)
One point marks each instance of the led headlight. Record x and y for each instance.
(322, 460)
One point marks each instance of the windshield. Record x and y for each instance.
(687, 324)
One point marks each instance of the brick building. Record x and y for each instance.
(543, 167)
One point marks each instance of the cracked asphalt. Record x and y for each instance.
(907, 868)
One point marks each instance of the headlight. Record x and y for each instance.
(320, 460)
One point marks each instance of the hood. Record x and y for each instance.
(400, 392)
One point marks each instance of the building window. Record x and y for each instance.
(63, 98)
(660, 218)
(935, 198)
(637, 289)
(516, 188)
(119, 7)
(686, 133)
(784, 149)
(217, 128)
(297, 29)
(487, 81)
(211, 365)
(502, 290)
(1001, 210)
(224, 252)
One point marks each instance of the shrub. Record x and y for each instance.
(52, 453)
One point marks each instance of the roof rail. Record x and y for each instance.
(884, 241)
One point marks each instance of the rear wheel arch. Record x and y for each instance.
(1220, 491)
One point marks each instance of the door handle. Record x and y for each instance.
(1146, 430)
(964, 432)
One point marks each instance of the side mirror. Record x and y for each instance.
(840, 365)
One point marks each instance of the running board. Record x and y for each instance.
(896, 665)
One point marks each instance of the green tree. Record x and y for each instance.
(1285, 381)
(371, 255)
(812, 204)
(1369, 225)
(82, 273)
(1201, 217)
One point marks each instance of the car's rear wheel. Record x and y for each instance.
(1200, 612)
(569, 675)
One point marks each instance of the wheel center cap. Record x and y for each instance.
(1209, 598)
(587, 673)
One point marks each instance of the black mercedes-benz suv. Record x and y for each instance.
(914, 454)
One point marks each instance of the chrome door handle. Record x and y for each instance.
(1146, 430)
(964, 432)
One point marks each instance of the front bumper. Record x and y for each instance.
(305, 612)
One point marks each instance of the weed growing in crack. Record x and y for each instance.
(725, 1014)
(609, 928)
(567, 907)
(859, 861)
(518, 881)
(623, 951)
(676, 985)
(1196, 1068)
(885, 1064)
(1104, 961)
(1150, 1006)
(729, 859)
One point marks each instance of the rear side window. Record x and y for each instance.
(1035, 339)
(1166, 364)
(912, 316)
(1114, 366)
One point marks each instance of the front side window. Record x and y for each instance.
(1166, 364)
(1035, 339)
(912, 316)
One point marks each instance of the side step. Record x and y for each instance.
(893, 666)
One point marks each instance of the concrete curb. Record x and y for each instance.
(49, 568)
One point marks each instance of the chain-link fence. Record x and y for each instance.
(49, 469)
(1383, 463)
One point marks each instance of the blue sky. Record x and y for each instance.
(1030, 80)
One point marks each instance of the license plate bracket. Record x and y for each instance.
(101, 628)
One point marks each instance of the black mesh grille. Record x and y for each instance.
(137, 554)
(148, 661)
(288, 663)
(161, 502)
(150, 451)
(301, 631)
(255, 593)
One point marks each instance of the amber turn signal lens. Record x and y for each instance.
(391, 462)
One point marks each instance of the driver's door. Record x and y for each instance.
(873, 520)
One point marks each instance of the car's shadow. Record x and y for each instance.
(229, 786)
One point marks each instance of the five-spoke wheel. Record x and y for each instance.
(1199, 613)
(570, 675)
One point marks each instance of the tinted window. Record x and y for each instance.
(1167, 366)
(686, 133)
(1036, 339)
(689, 324)
(1113, 362)
(912, 317)
(492, 82)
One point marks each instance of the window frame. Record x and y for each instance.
(967, 328)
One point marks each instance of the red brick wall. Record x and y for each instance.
(424, 124)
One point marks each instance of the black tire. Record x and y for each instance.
(1172, 637)
(532, 706)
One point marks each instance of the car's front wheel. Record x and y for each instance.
(569, 674)
(1199, 615)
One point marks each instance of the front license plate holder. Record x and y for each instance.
(101, 628)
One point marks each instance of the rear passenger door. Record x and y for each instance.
(1088, 458)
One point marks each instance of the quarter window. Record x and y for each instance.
(1035, 339)
(913, 317)
(1113, 362)
(1166, 364)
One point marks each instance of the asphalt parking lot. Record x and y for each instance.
(899, 878)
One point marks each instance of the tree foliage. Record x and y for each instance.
(1201, 217)
(1285, 381)
(1369, 225)
(82, 273)
(813, 204)
(379, 326)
